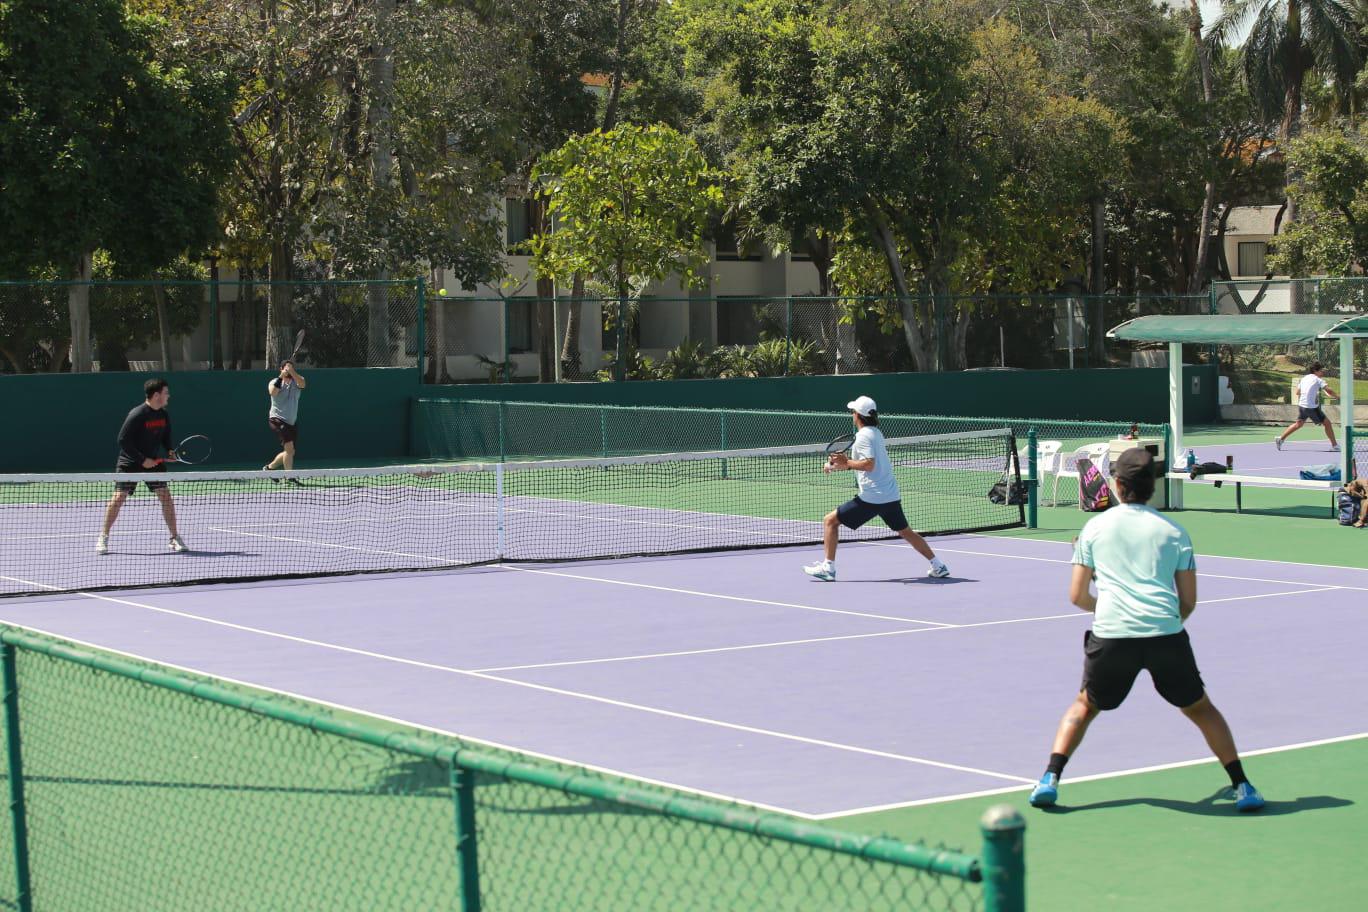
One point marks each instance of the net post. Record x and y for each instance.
(422, 326)
(14, 757)
(1004, 859)
(724, 443)
(1032, 484)
(503, 410)
(603, 432)
(467, 854)
(499, 507)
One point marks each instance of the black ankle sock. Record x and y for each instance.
(1056, 764)
(1236, 773)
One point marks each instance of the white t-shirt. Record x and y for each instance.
(1308, 391)
(878, 485)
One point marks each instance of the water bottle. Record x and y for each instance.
(1191, 459)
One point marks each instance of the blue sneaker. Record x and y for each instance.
(1247, 798)
(1046, 792)
(821, 571)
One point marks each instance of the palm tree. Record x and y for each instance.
(1287, 40)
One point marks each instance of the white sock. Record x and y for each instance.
(829, 564)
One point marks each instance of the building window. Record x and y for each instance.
(729, 249)
(738, 321)
(798, 249)
(518, 219)
(1252, 256)
(521, 318)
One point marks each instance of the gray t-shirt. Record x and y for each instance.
(878, 485)
(285, 403)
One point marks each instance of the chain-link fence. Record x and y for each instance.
(519, 339)
(194, 325)
(136, 787)
(1268, 374)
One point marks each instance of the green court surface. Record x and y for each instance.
(1169, 840)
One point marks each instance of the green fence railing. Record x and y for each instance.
(136, 786)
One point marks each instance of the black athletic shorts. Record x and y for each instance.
(130, 486)
(1313, 415)
(288, 433)
(1110, 666)
(855, 513)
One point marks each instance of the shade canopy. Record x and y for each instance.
(1241, 329)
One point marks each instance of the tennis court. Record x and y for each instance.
(887, 701)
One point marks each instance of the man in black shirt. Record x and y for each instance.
(145, 433)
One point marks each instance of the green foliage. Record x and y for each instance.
(498, 370)
(632, 205)
(687, 361)
(1330, 236)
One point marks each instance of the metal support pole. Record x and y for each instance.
(467, 845)
(506, 355)
(1032, 482)
(14, 756)
(788, 332)
(1346, 392)
(1004, 859)
(1175, 357)
(499, 510)
(215, 360)
(422, 326)
(1068, 317)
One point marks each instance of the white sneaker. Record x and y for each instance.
(102, 545)
(821, 571)
(940, 572)
(1277, 442)
(1334, 448)
(177, 544)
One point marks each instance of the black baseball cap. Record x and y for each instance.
(1133, 464)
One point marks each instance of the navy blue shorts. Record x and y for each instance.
(855, 513)
(1313, 415)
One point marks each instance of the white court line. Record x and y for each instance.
(1095, 777)
(466, 739)
(716, 595)
(559, 691)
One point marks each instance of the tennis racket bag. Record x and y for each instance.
(1009, 491)
(1348, 508)
(1208, 468)
(1094, 495)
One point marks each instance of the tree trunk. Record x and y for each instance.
(379, 117)
(546, 308)
(280, 312)
(163, 325)
(610, 109)
(78, 313)
(436, 330)
(1200, 273)
(907, 305)
(1097, 280)
(571, 359)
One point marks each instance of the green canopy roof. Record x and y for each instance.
(1241, 329)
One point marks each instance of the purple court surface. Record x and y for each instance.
(735, 675)
(1308, 447)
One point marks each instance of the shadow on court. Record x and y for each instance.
(1219, 804)
(916, 580)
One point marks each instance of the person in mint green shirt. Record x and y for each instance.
(1146, 576)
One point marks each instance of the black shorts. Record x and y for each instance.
(1313, 415)
(1111, 665)
(855, 513)
(288, 433)
(128, 487)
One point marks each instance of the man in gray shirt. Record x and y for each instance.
(284, 417)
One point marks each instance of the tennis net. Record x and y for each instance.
(263, 525)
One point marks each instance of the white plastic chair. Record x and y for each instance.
(1047, 461)
(1098, 453)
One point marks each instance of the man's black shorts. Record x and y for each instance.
(1110, 666)
(855, 513)
(288, 433)
(130, 486)
(1313, 415)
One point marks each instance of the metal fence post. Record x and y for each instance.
(1032, 483)
(467, 845)
(422, 326)
(1004, 859)
(14, 756)
(215, 361)
(788, 332)
(506, 356)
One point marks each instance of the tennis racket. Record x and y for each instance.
(299, 344)
(836, 447)
(191, 450)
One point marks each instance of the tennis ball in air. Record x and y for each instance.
(442, 292)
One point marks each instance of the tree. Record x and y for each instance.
(632, 205)
(1288, 39)
(1332, 189)
(102, 146)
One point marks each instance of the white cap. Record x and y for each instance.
(864, 405)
